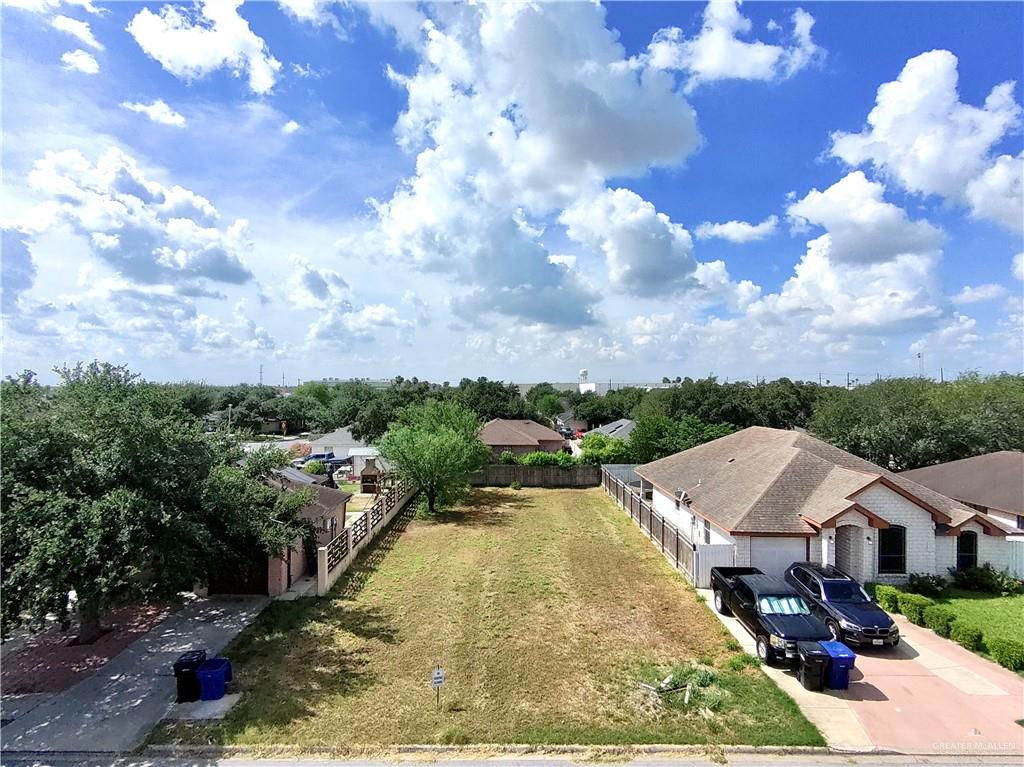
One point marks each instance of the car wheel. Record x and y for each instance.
(764, 650)
(720, 604)
(834, 630)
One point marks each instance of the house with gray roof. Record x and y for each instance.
(779, 497)
(620, 429)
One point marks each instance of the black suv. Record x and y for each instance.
(850, 614)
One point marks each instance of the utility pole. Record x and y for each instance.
(920, 365)
(847, 380)
(261, 374)
(942, 378)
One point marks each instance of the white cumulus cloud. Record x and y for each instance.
(80, 61)
(290, 127)
(738, 231)
(147, 232)
(920, 135)
(510, 127)
(191, 43)
(974, 294)
(78, 29)
(862, 226)
(158, 112)
(719, 51)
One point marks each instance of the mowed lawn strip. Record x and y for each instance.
(546, 609)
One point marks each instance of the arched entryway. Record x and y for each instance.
(850, 545)
(967, 550)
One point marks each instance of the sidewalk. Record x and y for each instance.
(113, 710)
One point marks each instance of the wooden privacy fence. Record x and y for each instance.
(694, 560)
(503, 475)
(335, 558)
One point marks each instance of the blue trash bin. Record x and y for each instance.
(841, 660)
(213, 675)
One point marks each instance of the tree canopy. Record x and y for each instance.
(111, 489)
(435, 445)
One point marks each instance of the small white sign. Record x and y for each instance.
(438, 678)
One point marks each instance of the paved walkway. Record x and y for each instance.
(114, 710)
(926, 696)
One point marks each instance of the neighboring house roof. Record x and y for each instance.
(620, 429)
(292, 476)
(340, 441)
(326, 500)
(773, 481)
(567, 417)
(993, 480)
(504, 432)
(365, 452)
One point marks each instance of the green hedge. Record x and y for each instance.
(887, 596)
(939, 619)
(1007, 652)
(913, 606)
(966, 635)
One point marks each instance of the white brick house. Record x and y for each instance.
(783, 496)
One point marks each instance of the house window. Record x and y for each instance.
(892, 550)
(967, 550)
(707, 531)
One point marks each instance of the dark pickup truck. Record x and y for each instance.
(769, 608)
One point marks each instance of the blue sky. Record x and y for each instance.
(641, 189)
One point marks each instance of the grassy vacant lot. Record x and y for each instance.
(546, 608)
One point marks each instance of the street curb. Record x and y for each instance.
(483, 751)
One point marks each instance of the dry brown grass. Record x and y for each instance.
(545, 608)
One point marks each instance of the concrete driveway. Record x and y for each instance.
(927, 696)
(113, 710)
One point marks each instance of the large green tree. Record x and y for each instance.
(905, 423)
(108, 490)
(493, 399)
(435, 445)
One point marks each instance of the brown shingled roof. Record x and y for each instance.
(762, 480)
(993, 480)
(502, 432)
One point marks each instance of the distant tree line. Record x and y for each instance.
(900, 423)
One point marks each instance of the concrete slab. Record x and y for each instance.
(968, 682)
(203, 710)
(16, 706)
(114, 710)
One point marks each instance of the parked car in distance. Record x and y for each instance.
(769, 608)
(850, 615)
(304, 459)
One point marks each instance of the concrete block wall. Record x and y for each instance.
(994, 549)
(920, 531)
(324, 578)
(742, 551)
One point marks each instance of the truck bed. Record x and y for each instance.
(726, 575)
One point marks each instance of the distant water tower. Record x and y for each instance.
(583, 386)
(583, 376)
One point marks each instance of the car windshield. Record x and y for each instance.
(845, 592)
(786, 604)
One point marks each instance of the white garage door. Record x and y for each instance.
(773, 555)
